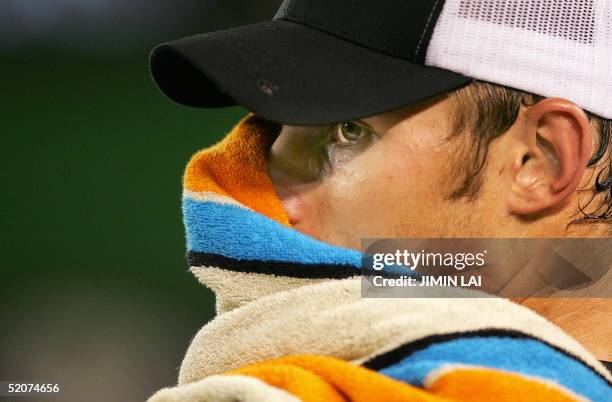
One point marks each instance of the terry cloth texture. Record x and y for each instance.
(224, 389)
(292, 319)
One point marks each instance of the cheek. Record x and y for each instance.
(376, 192)
(391, 190)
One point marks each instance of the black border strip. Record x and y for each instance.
(274, 268)
(394, 356)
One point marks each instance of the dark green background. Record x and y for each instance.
(96, 294)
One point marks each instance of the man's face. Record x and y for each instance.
(389, 175)
(393, 178)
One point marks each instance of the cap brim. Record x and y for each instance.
(292, 74)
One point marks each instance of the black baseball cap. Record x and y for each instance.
(317, 62)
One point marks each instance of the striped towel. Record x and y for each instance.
(292, 325)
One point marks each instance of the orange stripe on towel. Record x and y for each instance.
(482, 384)
(321, 378)
(236, 167)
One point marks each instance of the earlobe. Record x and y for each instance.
(551, 156)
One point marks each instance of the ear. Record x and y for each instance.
(550, 156)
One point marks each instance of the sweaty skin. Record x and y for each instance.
(390, 175)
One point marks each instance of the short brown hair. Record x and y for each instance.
(488, 110)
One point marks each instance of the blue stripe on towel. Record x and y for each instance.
(523, 356)
(243, 234)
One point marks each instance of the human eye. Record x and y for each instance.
(351, 132)
(344, 142)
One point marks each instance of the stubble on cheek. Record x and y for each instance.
(411, 187)
(363, 198)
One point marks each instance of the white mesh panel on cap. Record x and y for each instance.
(555, 48)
